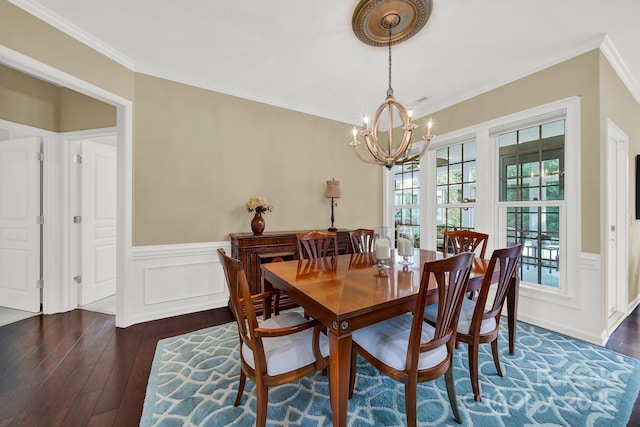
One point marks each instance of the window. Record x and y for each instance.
(531, 188)
(407, 198)
(516, 179)
(455, 188)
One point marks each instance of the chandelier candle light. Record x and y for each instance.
(383, 23)
(382, 246)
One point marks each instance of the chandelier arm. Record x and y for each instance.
(406, 137)
(416, 156)
(374, 148)
(365, 159)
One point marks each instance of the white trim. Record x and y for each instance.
(68, 28)
(388, 194)
(611, 53)
(620, 179)
(124, 108)
(582, 321)
(579, 49)
(177, 279)
(141, 253)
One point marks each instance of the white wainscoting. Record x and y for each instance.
(170, 280)
(582, 317)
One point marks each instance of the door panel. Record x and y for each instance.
(98, 227)
(19, 229)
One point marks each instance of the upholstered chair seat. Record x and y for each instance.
(388, 340)
(466, 315)
(289, 352)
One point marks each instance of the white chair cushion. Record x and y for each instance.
(466, 315)
(388, 340)
(288, 353)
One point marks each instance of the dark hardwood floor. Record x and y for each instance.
(78, 369)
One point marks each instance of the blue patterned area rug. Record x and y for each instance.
(551, 380)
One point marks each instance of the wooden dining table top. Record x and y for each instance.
(350, 285)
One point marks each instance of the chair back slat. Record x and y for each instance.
(361, 240)
(507, 261)
(451, 276)
(317, 244)
(465, 241)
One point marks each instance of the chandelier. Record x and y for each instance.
(384, 23)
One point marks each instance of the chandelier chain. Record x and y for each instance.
(390, 58)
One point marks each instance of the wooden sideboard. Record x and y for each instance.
(254, 251)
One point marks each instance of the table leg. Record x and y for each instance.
(512, 311)
(339, 367)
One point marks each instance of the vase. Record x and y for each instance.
(257, 225)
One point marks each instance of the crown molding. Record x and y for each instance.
(611, 53)
(71, 30)
(579, 49)
(226, 90)
(601, 42)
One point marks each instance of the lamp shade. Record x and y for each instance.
(333, 189)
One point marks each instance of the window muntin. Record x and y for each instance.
(531, 178)
(455, 188)
(407, 198)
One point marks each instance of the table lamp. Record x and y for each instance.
(332, 192)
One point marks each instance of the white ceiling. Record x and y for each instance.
(303, 55)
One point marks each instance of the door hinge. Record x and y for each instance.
(40, 155)
(77, 280)
(77, 219)
(40, 219)
(40, 283)
(77, 159)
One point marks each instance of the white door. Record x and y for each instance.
(616, 216)
(98, 226)
(19, 227)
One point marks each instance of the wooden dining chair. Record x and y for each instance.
(361, 240)
(478, 322)
(275, 351)
(408, 349)
(465, 241)
(317, 244)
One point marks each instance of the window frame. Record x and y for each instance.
(490, 212)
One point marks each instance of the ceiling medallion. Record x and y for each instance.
(385, 23)
(371, 18)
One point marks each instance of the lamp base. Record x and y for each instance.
(332, 229)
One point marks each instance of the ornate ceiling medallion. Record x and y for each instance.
(372, 19)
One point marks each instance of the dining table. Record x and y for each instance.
(351, 291)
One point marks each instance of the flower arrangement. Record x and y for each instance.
(259, 205)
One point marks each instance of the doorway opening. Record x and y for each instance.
(617, 212)
(58, 294)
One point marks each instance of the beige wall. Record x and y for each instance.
(199, 155)
(80, 112)
(575, 77)
(30, 101)
(29, 36)
(618, 105)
